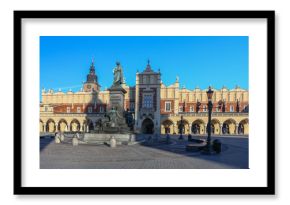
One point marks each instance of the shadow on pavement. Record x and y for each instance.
(45, 140)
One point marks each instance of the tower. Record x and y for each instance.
(147, 101)
(91, 84)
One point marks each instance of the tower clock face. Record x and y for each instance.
(89, 86)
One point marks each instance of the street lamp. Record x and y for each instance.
(209, 105)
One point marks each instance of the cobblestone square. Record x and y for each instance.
(234, 155)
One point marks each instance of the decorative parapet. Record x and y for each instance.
(71, 115)
(214, 114)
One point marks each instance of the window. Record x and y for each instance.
(101, 109)
(231, 108)
(90, 109)
(180, 108)
(191, 109)
(46, 109)
(204, 108)
(78, 109)
(148, 101)
(216, 109)
(68, 109)
(167, 106)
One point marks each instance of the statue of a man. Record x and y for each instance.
(118, 75)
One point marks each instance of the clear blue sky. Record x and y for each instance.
(197, 60)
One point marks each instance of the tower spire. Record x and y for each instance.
(92, 67)
(93, 62)
(91, 84)
(148, 67)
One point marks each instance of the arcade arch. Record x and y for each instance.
(147, 126)
(229, 127)
(197, 127)
(75, 125)
(167, 127)
(50, 125)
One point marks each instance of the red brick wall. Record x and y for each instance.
(162, 106)
(62, 108)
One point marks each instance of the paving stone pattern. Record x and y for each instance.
(234, 155)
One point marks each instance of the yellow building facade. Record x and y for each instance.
(157, 108)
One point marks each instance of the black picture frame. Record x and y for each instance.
(268, 190)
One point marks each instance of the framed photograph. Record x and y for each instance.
(144, 102)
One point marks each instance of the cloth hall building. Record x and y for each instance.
(156, 108)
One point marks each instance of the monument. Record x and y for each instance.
(117, 92)
(116, 123)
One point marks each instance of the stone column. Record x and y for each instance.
(175, 128)
(81, 127)
(237, 129)
(205, 126)
(162, 129)
(189, 127)
(87, 128)
(44, 127)
(221, 129)
(56, 126)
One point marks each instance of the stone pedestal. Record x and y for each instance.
(117, 97)
(75, 141)
(132, 138)
(61, 137)
(57, 140)
(113, 142)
